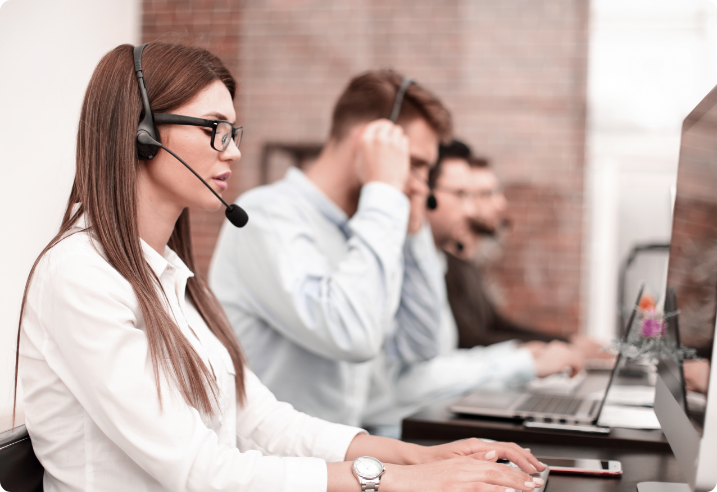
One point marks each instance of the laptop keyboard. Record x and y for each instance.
(551, 404)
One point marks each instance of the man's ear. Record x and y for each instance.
(355, 135)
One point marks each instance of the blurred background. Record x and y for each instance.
(577, 104)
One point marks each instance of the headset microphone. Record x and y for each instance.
(148, 143)
(234, 213)
(431, 202)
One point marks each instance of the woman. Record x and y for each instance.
(133, 379)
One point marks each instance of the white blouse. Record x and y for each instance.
(91, 404)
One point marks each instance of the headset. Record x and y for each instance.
(431, 202)
(148, 142)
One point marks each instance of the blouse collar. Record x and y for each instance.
(158, 263)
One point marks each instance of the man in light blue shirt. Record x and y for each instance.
(399, 389)
(335, 264)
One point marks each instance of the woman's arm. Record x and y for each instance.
(411, 467)
(86, 313)
(437, 476)
(280, 430)
(403, 453)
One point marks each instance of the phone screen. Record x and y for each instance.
(585, 464)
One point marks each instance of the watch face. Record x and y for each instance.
(368, 467)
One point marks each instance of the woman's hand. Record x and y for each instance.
(457, 474)
(483, 451)
(403, 453)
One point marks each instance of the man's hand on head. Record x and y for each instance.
(382, 154)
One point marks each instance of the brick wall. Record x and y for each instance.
(216, 26)
(513, 72)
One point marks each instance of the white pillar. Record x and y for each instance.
(650, 62)
(48, 50)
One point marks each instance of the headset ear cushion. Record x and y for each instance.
(146, 152)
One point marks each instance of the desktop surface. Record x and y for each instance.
(437, 421)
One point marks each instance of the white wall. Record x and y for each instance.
(650, 63)
(48, 50)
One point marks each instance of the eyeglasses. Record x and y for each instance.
(223, 132)
(466, 195)
(489, 193)
(463, 195)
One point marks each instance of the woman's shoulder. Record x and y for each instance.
(75, 257)
(73, 277)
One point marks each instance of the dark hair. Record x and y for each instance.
(105, 191)
(457, 150)
(370, 96)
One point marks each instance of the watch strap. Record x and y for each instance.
(370, 485)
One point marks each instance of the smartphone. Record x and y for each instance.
(581, 466)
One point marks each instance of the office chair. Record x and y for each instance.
(19, 469)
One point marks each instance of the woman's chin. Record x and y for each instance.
(209, 206)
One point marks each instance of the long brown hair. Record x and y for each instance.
(105, 191)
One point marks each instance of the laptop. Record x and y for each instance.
(542, 408)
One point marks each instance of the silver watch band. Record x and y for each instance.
(370, 485)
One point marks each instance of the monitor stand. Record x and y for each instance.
(662, 487)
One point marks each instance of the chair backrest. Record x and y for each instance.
(19, 469)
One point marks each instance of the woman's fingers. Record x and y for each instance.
(458, 474)
(511, 452)
(521, 457)
(471, 470)
(505, 476)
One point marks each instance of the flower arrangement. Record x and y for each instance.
(648, 336)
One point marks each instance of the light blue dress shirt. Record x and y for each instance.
(399, 389)
(314, 295)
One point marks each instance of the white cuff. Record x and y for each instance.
(386, 198)
(305, 475)
(333, 442)
(516, 366)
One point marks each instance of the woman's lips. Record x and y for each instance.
(221, 180)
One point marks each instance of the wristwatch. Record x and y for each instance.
(368, 471)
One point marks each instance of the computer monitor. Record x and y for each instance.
(692, 290)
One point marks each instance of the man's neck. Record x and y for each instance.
(333, 173)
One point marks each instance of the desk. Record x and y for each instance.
(638, 466)
(645, 455)
(436, 422)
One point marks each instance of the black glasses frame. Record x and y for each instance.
(177, 119)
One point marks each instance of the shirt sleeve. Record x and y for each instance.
(94, 346)
(416, 333)
(462, 371)
(276, 428)
(277, 269)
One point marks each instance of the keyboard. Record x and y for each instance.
(557, 405)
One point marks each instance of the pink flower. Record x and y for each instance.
(653, 325)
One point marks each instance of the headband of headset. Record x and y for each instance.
(400, 94)
(145, 152)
